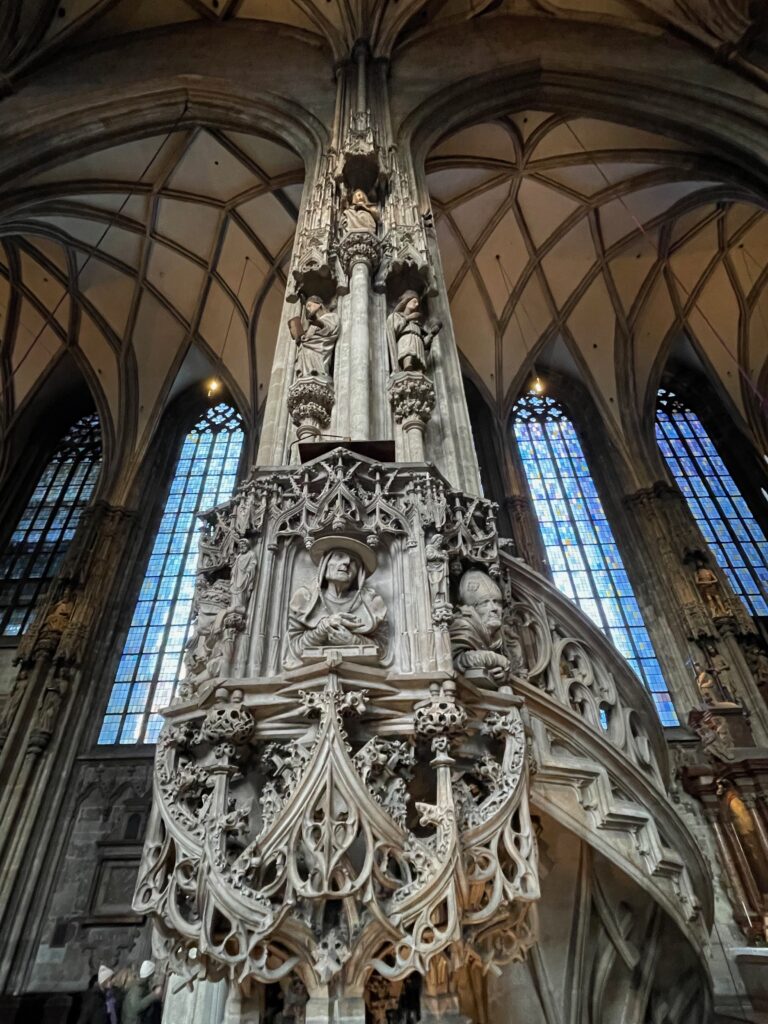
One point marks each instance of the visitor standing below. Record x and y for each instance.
(101, 1003)
(139, 997)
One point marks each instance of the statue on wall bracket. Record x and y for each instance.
(360, 214)
(409, 334)
(311, 396)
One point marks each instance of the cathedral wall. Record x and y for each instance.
(87, 917)
(86, 846)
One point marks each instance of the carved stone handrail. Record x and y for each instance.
(571, 662)
(587, 785)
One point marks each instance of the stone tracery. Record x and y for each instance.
(277, 779)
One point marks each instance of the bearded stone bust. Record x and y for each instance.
(477, 636)
(338, 610)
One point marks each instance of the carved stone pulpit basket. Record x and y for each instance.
(337, 809)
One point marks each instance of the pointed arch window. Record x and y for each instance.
(721, 513)
(152, 659)
(43, 533)
(581, 549)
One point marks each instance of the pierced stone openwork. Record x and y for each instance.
(328, 801)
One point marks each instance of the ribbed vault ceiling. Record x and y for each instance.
(597, 248)
(155, 263)
(35, 28)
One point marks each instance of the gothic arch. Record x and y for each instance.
(650, 101)
(191, 125)
(715, 183)
(64, 393)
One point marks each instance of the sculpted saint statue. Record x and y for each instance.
(711, 692)
(338, 610)
(409, 335)
(315, 345)
(757, 660)
(709, 588)
(61, 613)
(48, 711)
(360, 215)
(243, 575)
(477, 637)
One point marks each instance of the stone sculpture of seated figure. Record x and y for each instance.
(477, 637)
(338, 610)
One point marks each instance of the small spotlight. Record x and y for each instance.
(214, 385)
(537, 385)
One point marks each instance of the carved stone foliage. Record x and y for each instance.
(406, 520)
(310, 403)
(346, 809)
(547, 649)
(412, 395)
(252, 883)
(359, 247)
(343, 784)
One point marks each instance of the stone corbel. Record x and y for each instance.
(412, 395)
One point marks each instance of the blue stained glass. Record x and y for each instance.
(127, 667)
(154, 726)
(573, 559)
(131, 730)
(117, 698)
(549, 533)
(151, 663)
(556, 559)
(594, 557)
(586, 531)
(138, 697)
(133, 640)
(591, 608)
(47, 525)
(109, 729)
(603, 584)
(563, 582)
(578, 538)
(733, 534)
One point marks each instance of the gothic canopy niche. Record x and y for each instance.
(594, 245)
(154, 262)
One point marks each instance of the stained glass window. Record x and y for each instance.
(722, 515)
(43, 534)
(581, 549)
(152, 658)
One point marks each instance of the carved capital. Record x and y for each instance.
(412, 395)
(310, 402)
(440, 718)
(359, 247)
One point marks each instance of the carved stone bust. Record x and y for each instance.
(477, 637)
(338, 611)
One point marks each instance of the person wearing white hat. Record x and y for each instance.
(105, 973)
(101, 1003)
(139, 997)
